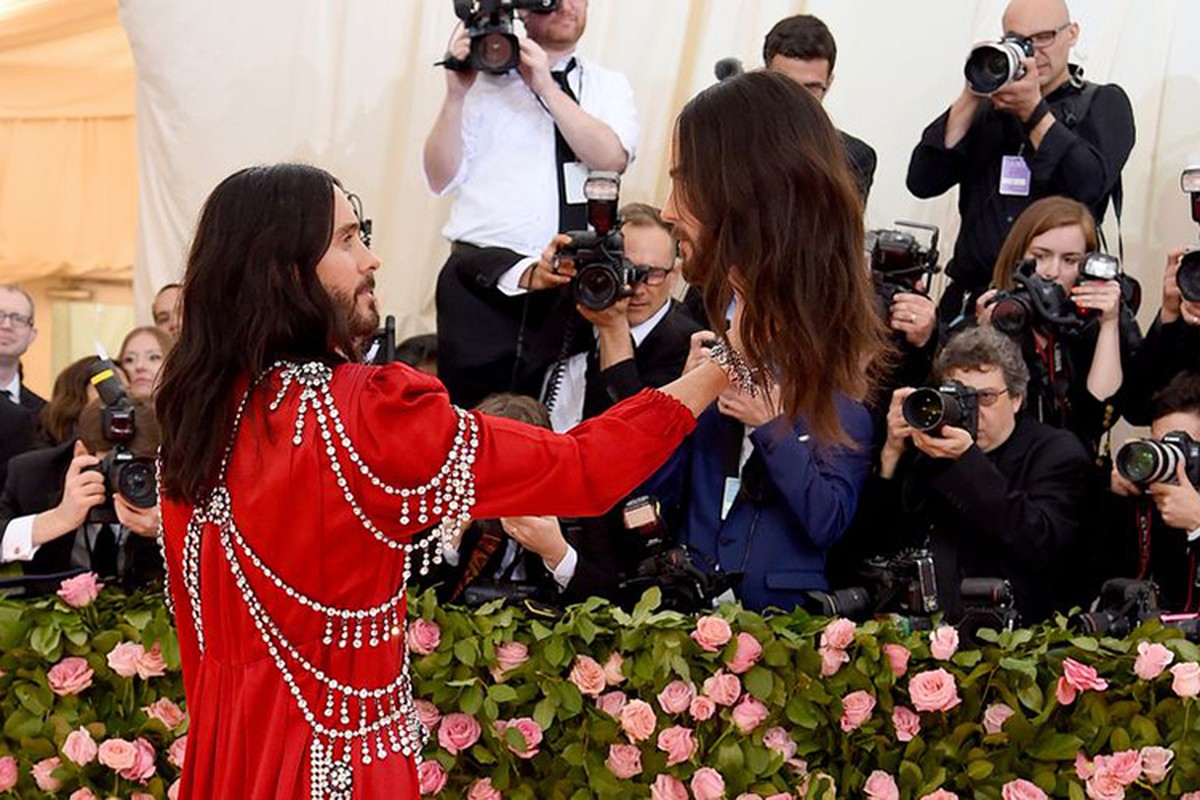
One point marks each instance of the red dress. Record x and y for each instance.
(249, 736)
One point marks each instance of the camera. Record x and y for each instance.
(899, 261)
(602, 273)
(987, 603)
(1123, 604)
(1188, 276)
(489, 23)
(993, 64)
(905, 583)
(1036, 302)
(951, 403)
(1147, 461)
(685, 586)
(131, 476)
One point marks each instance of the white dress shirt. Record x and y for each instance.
(13, 389)
(507, 183)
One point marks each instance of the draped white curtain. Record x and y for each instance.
(350, 86)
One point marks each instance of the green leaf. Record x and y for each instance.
(967, 658)
(139, 618)
(1075, 791)
(1031, 697)
(1023, 666)
(729, 758)
(466, 651)
(1086, 643)
(471, 700)
(555, 653)
(543, 712)
(1055, 747)
(1119, 740)
(45, 641)
(978, 770)
(20, 724)
(514, 739)
(28, 697)
(502, 693)
(651, 600)
(760, 683)
(574, 753)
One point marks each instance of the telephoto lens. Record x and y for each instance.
(993, 64)
(929, 409)
(1146, 461)
(1188, 276)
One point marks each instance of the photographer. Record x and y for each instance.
(1158, 523)
(515, 149)
(1171, 346)
(51, 493)
(640, 340)
(1077, 363)
(1004, 503)
(1043, 133)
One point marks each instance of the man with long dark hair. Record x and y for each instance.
(296, 483)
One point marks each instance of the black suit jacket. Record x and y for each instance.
(32, 402)
(35, 484)
(862, 159)
(16, 433)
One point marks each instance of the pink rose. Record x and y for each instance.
(1021, 789)
(832, 660)
(780, 741)
(530, 730)
(1125, 766)
(428, 714)
(611, 703)
(702, 708)
(141, 796)
(723, 689)
(881, 786)
(423, 638)
(42, 774)
(1083, 768)
(1082, 677)
(458, 732)
(906, 722)
(612, 669)
(1152, 659)
(940, 794)
(856, 709)
(150, 664)
(80, 747)
(995, 716)
(624, 760)
(749, 714)
(166, 712)
(432, 778)
(142, 768)
(588, 675)
(666, 787)
(1187, 679)
(749, 651)
(933, 690)
(638, 720)
(123, 659)
(780, 796)
(749, 796)
(86, 794)
(81, 590)
(1156, 762)
(676, 697)
(943, 642)
(70, 676)
(117, 754)
(1190, 796)
(711, 633)
(838, 634)
(678, 743)
(707, 784)
(9, 773)
(173, 790)
(482, 789)
(177, 752)
(1104, 786)
(1064, 692)
(897, 656)
(510, 655)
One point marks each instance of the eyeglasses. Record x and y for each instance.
(988, 397)
(653, 276)
(17, 320)
(1043, 39)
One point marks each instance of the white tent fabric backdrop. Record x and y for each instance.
(351, 87)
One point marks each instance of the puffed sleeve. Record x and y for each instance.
(406, 426)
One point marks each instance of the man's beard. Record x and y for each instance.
(359, 324)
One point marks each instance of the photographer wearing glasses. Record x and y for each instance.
(1026, 125)
(17, 332)
(989, 491)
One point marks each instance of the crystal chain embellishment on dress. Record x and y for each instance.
(386, 715)
(743, 376)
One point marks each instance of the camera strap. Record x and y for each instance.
(1074, 110)
(1145, 521)
(571, 216)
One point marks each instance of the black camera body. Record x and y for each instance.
(131, 476)
(489, 23)
(1124, 604)
(993, 64)
(899, 261)
(603, 275)
(685, 586)
(1187, 278)
(1146, 461)
(1035, 302)
(931, 408)
(987, 603)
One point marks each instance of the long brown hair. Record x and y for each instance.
(1044, 215)
(61, 414)
(762, 169)
(251, 296)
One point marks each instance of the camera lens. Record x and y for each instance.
(597, 286)
(924, 409)
(1011, 315)
(495, 51)
(990, 66)
(1146, 461)
(1188, 276)
(135, 482)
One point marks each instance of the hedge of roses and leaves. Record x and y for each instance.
(603, 702)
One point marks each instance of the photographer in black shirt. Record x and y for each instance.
(1044, 133)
